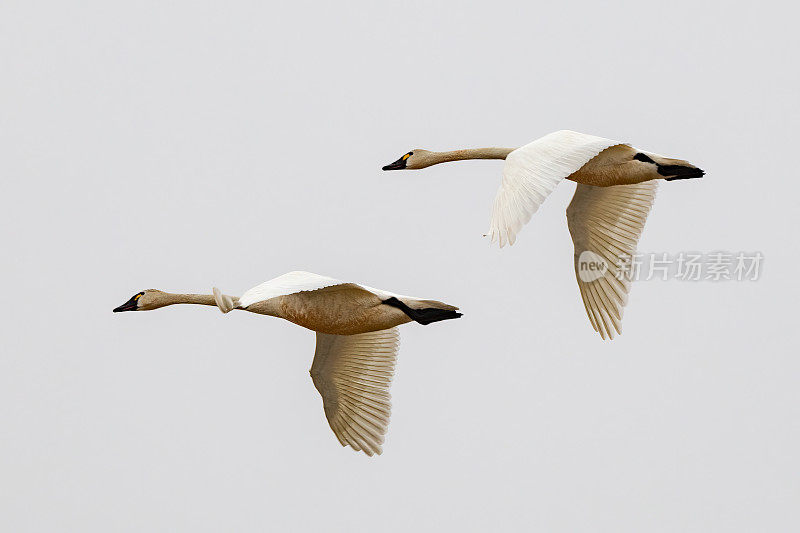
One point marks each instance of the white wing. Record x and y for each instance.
(286, 284)
(605, 224)
(352, 374)
(299, 281)
(532, 172)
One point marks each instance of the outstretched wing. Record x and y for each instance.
(352, 374)
(605, 224)
(299, 281)
(532, 172)
(289, 283)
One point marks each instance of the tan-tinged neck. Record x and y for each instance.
(166, 298)
(434, 158)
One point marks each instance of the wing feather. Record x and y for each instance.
(532, 172)
(288, 283)
(299, 281)
(608, 222)
(352, 374)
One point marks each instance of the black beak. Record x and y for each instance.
(677, 172)
(130, 305)
(400, 164)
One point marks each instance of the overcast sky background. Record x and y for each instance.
(183, 145)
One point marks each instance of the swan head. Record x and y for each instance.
(413, 160)
(143, 301)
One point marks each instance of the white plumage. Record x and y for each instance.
(532, 172)
(300, 281)
(288, 283)
(608, 221)
(352, 374)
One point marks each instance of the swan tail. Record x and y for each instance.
(671, 169)
(425, 311)
(225, 303)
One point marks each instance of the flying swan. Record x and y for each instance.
(616, 189)
(357, 341)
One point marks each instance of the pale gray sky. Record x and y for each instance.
(182, 145)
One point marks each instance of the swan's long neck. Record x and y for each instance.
(198, 299)
(470, 153)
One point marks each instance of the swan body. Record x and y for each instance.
(615, 192)
(357, 340)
